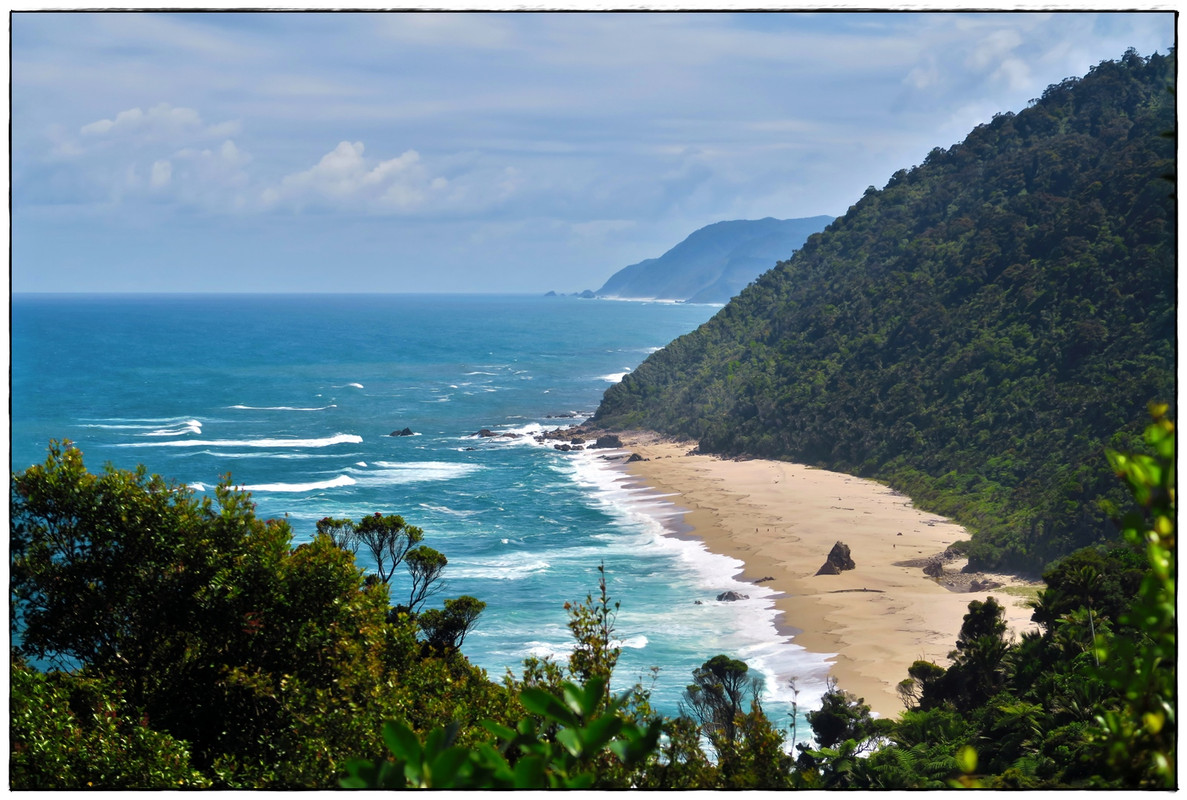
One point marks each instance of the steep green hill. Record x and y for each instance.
(715, 262)
(975, 332)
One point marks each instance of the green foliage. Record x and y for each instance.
(70, 731)
(971, 333)
(588, 731)
(1139, 736)
(268, 664)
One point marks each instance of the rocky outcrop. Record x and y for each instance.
(485, 433)
(838, 560)
(405, 432)
(732, 596)
(608, 440)
(934, 568)
(635, 457)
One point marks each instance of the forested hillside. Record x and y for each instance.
(976, 332)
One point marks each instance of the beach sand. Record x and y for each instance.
(782, 519)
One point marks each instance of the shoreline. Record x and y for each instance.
(781, 520)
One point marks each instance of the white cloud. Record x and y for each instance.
(162, 172)
(345, 179)
(162, 121)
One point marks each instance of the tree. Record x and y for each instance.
(340, 532)
(69, 731)
(719, 693)
(270, 664)
(388, 539)
(425, 566)
(447, 628)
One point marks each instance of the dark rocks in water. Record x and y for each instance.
(576, 440)
(636, 457)
(471, 448)
(550, 294)
(608, 440)
(510, 435)
(485, 432)
(578, 447)
(564, 448)
(405, 432)
(731, 596)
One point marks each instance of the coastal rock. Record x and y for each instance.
(576, 440)
(485, 432)
(838, 560)
(731, 596)
(564, 448)
(608, 440)
(934, 568)
(636, 457)
(510, 435)
(764, 580)
(405, 432)
(983, 585)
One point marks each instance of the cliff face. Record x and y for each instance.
(715, 262)
(975, 333)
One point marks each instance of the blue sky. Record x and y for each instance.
(481, 152)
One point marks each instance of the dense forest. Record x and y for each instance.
(974, 333)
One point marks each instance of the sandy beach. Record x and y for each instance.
(782, 519)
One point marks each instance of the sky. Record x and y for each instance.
(481, 152)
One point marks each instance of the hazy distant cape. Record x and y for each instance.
(716, 262)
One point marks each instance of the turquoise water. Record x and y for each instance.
(296, 396)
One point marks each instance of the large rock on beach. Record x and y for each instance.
(838, 560)
(731, 596)
(608, 440)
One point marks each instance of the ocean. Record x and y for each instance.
(296, 397)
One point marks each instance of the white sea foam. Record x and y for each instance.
(388, 473)
(350, 386)
(341, 480)
(327, 441)
(283, 408)
(615, 377)
(514, 566)
(189, 426)
(745, 628)
(453, 512)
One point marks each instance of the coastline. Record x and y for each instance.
(781, 520)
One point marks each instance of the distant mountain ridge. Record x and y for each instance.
(715, 262)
